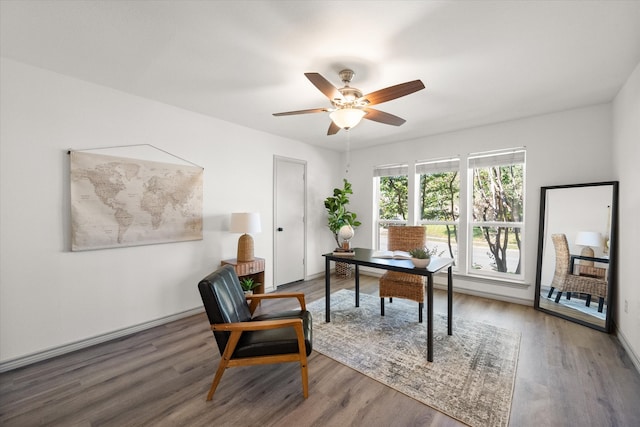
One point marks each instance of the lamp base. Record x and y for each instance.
(587, 251)
(245, 248)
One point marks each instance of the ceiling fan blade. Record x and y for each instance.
(333, 129)
(393, 92)
(329, 90)
(312, 110)
(382, 117)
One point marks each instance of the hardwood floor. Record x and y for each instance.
(568, 375)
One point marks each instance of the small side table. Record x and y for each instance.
(253, 269)
(589, 271)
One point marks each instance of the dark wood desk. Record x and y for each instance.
(586, 258)
(364, 257)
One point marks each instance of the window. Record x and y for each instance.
(496, 217)
(473, 214)
(439, 205)
(391, 183)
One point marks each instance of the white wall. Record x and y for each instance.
(626, 149)
(568, 147)
(49, 296)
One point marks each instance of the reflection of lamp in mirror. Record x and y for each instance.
(588, 240)
(245, 222)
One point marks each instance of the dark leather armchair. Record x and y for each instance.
(244, 339)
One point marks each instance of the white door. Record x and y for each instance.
(289, 217)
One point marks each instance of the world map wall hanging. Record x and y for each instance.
(119, 201)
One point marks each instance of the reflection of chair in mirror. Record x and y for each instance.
(244, 339)
(565, 281)
(590, 271)
(403, 285)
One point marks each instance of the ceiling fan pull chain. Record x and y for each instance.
(346, 172)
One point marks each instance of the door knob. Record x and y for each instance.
(280, 229)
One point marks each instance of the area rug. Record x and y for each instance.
(473, 371)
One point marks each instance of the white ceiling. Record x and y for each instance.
(481, 61)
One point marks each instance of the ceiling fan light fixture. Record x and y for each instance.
(347, 118)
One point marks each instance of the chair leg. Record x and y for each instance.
(216, 380)
(302, 351)
(568, 296)
(558, 295)
(224, 361)
(381, 306)
(305, 380)
(600, 304)
(390, 299)
(420, 307)
(550, 292)
(588, 303)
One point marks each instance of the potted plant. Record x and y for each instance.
(338, 214)
(248, 285)
(420, 257)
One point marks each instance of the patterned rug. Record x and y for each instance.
(473, 372)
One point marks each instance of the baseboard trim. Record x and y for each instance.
(625, 344)
(78, 345)
(440, 282)
(488, 295)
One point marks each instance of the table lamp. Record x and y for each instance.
(245, 222)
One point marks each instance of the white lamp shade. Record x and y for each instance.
(589, 238)
(346, 118)
(245, 222)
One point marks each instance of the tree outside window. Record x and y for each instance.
(392, 197)
(493, 219)
(498, 212)
(439, 205)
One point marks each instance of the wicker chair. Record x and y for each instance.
(565, 281)
(403, 285)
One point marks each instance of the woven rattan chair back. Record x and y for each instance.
(406, 238)
(562, 260)
(403, 285)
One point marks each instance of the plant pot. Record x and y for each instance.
(344, 270)
(421, 262)
(248, 293)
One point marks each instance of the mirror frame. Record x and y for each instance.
(611, 272)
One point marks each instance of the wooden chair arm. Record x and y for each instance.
(256, 325)
(256, 298)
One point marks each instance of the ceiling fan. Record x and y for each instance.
(350, 106)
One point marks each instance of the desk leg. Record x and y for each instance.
(430, 317)
(449, 301)
(357, 285)
(327, 289)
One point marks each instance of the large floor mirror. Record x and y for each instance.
(576, 252)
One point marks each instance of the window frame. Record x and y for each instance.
(485, 160)
(434, 166)
(465, 222)
(399, 169)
